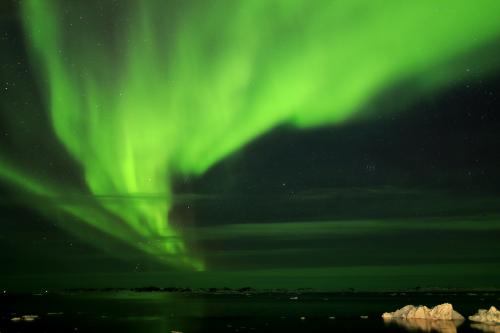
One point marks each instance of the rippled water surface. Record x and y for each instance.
(255, 312)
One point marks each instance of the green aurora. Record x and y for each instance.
(157, 90)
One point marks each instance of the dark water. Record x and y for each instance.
(190, 312)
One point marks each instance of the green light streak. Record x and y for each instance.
(93, 216)
(164, 89)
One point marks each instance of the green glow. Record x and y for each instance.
(163, 89)
(93, 216)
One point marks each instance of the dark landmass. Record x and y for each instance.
(250, 290)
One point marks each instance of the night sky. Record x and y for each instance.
(266, 144)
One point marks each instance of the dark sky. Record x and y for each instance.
(407, 197)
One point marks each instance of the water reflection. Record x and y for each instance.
(426, 325)
(145, 312)
(486, 327)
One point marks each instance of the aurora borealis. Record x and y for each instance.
(143, 99)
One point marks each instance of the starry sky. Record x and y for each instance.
(206, 152)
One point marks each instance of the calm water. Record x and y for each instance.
(167, 312)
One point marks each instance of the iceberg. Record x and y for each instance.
(491, 316)
(25, 318)
(442, 312)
